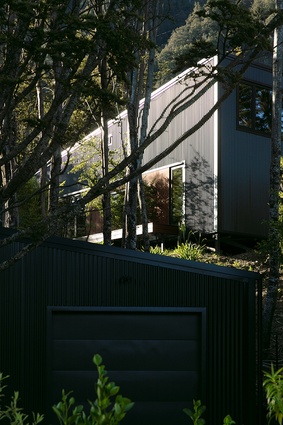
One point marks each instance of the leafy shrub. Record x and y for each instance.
(196, 418)
(189, 251)
(273, 386)
(13, 413)
(158, 250)
(105, 410)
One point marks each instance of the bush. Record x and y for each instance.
(189, 251)
(273, 386)
(109, 408)
(13, 413)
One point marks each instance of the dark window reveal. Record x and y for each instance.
(254, 108)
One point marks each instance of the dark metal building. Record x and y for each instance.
(169, 330)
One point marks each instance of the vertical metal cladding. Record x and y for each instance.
(69, 273)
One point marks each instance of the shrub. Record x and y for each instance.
(189, 251)
(109, 408)
(273, 386)
(13, 413)
(196, 418)
(158, 250)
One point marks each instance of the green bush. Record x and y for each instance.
(273, 386)
(197, 412)
(109, 408)
(13, 413)
(158, 250)
(189, 251)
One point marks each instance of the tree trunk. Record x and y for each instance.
(56, 164)
(138, 130)
(106, 201)
(275, 178)
(43, 171)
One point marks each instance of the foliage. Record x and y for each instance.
(189, 251)
(213, 27)
(264, 245)
(105, 410)
(28, 199)
(63, 48)
(198, 411)
(158, 250)
(273, 386)
(182, 40)
(50, 62)
(13, 413)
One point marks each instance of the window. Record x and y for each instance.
(110, 140)
(254, 108)
(177, 196)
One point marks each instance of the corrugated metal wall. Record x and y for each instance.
(244, 169)
(67, 273)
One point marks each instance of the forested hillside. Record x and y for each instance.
(177, 12)
(189, 26)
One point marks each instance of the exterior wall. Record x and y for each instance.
(197, 152)
(244, 170)
(226, 171)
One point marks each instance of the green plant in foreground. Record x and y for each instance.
(273, 386)
(189, 251)
(158, 250)
(109, 408)
(195, 415)
(13, 413)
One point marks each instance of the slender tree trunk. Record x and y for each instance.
(55, 180)
(144, 126)
(132, 192)
(106, 201)
(275, 178)
(43, 171)
(144, 217)
(138, 131)
(9, 209)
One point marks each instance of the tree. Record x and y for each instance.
(140, 84)
(80, 57)
(275, 181)
(196, 28)
(53, 52)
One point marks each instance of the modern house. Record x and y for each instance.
(217, 180)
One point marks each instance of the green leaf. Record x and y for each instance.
(97, 360)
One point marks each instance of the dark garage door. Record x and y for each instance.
(155, 355)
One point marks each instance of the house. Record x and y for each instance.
(217, 180)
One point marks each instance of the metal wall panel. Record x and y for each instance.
(244, 169)
(67, 273)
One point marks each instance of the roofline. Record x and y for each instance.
(180, 77)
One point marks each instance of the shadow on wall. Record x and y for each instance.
(200, 198)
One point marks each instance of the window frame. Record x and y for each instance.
(254, 86)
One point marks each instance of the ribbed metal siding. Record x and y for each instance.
(244, 169)
(66, 273)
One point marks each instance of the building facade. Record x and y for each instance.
(217, 180)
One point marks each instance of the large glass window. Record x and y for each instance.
(254, 108)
